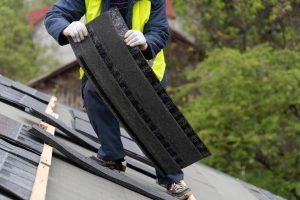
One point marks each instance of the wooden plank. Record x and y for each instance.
(40, 183)
(192, 197)
(41, 180)
(50, 107)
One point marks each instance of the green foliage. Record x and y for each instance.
(11, 4)
(49, 2)
(246, 107)
(17, 53)
(241, 24)
(17, 6)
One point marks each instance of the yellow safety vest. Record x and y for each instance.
(141, 14)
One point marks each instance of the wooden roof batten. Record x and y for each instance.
(40, 184)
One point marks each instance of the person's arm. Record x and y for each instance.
(62, 14)
(156, 30)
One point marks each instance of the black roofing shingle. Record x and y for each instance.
(17, 133)
(84, 117)
(80, 115)
(153, 108)
(85, 128)
(5, 81)
(109, 84)
(16, 176)
(64, 128)
(126, 82)
(45, 98)
(10, 93)
(21, 98)
(19, 152)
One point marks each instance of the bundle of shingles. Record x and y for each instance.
(124, 79)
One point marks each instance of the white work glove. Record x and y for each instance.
(135, 38)
(77, 30)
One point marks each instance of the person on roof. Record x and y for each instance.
(148, 26)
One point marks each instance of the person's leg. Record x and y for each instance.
(170, 178)
(104, 123)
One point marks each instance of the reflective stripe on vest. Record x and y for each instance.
(141, 14)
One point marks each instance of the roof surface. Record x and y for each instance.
(68, 180)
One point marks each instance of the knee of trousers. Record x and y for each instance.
(96, 108)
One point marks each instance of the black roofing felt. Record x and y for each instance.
(127, 83)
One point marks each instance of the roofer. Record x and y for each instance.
(149, 31)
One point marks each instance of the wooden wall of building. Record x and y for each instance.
(65, 86)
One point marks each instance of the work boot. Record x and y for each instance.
(111, 164)
(179, 190)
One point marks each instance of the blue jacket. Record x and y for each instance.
(156, 30)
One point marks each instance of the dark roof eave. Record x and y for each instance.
(35, 82)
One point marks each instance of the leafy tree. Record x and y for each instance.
(246, 107)
(18, 56)
(241, 24)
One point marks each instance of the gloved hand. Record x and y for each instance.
(77, 30)
(135, 38)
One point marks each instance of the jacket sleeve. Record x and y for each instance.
(61, 15)
(156, 30)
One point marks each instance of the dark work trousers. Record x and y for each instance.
(108, 130)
